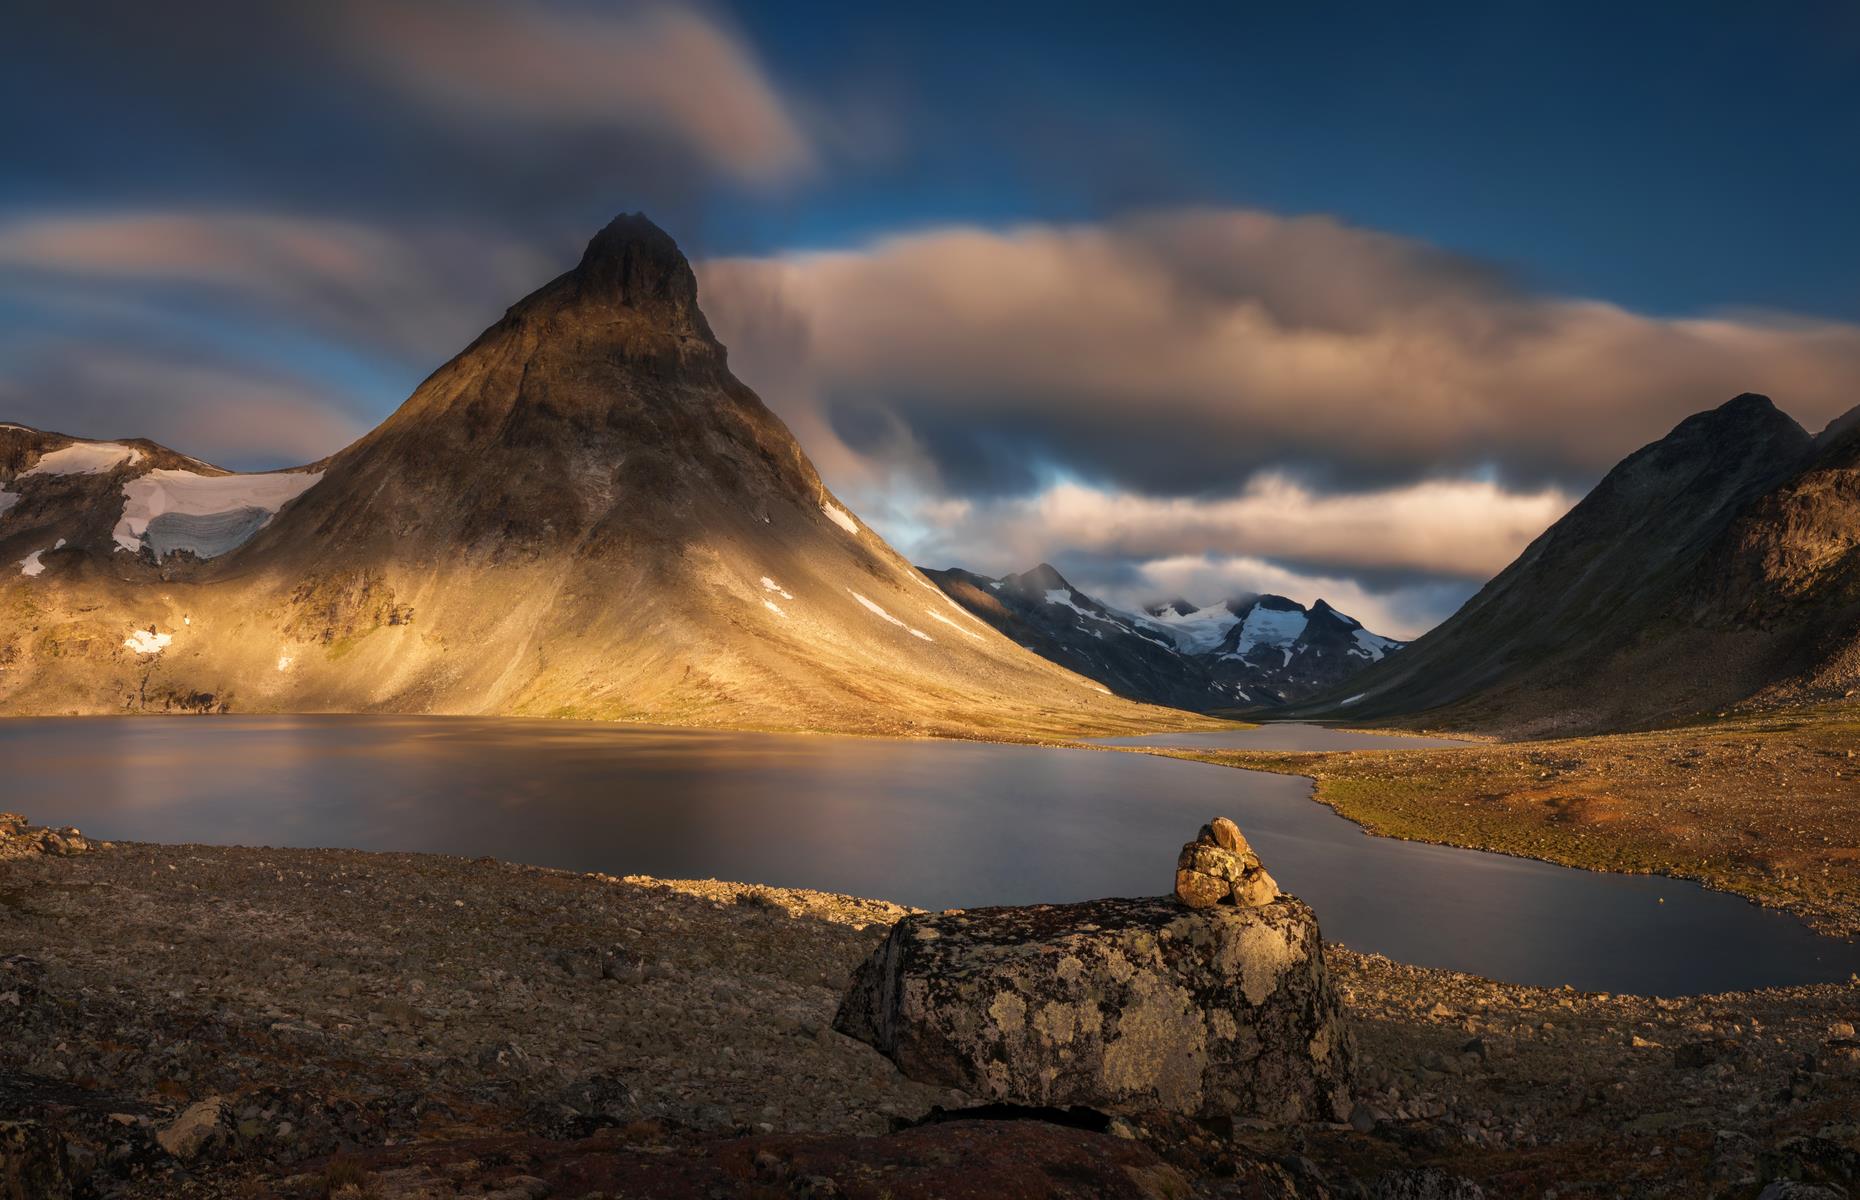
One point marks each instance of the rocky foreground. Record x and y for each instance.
(194, 1021)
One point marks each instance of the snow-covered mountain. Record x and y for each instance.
(582, 514)
(1246, 652)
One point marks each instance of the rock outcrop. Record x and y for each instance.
(1121, 1005)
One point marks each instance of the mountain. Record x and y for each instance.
(582, 514)
(1247, 652)
(1712, 568)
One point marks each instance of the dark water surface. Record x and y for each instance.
(1286, 735)
(935, 824)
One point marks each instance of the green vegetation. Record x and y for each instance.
(1766, 807)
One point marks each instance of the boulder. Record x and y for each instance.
(1119, 1005)
(201, 1127)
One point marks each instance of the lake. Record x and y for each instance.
(933, 824)
(1287, 735)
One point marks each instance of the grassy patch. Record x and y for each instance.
(1765, 807)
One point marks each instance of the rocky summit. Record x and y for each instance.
(1123, 1005)
(583, 514)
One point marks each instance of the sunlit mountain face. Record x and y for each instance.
(1253, 312)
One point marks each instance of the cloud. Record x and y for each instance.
(416, 291)
(224, 412)
(1177, 352)
(664, 68)
(1464, 528)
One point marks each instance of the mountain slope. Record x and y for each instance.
(1244, 653)
(584, 513)
(1713, 567)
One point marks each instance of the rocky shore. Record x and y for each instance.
(217, 1022)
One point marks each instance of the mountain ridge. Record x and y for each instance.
(1712, 568)
(1216, 657)
(583, 513)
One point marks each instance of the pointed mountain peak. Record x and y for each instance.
(634, 264)
(1046, 577)
(1748, 411)
(1038, 581)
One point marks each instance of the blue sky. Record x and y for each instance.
(1346, 299)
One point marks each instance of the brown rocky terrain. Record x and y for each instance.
(188, 1021)
(584, 514)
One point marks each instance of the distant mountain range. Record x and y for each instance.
(1716, 567)
(583, 514)
(1249, 652)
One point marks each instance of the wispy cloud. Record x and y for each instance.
(1177, 351)
(663, 68)
(1466, 528)
(219, 410)
(417, 291)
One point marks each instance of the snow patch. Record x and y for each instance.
(30, 565)
(1274, 627)
(1355, 698)
(85, 458)
(839, 516)
(769, 585)
(205, 514)
(1373, 646)
(284, 662)
(147, 641)
(774, 607)
(881, 613)
(1197, 632)
(968, 633)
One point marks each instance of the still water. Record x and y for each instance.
(1285, 736)
(935, 824)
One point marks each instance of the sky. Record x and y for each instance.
(1346, 301)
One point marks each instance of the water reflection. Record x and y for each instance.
(935, 824)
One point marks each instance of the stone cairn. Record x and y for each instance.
(1218, 867)
(1220, 1009)
(20, 840)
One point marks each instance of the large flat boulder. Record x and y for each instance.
(1122, 1005)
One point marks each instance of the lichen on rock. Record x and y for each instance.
(1122, 1005)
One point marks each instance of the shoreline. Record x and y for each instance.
(1589, 811)
(434, 1000)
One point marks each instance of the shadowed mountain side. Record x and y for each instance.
(1711, 568)
(583, 514)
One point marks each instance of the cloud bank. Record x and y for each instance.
(1203, 398)
(1177, 352)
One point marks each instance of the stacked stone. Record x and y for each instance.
(18, 839)
(1218, 867)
